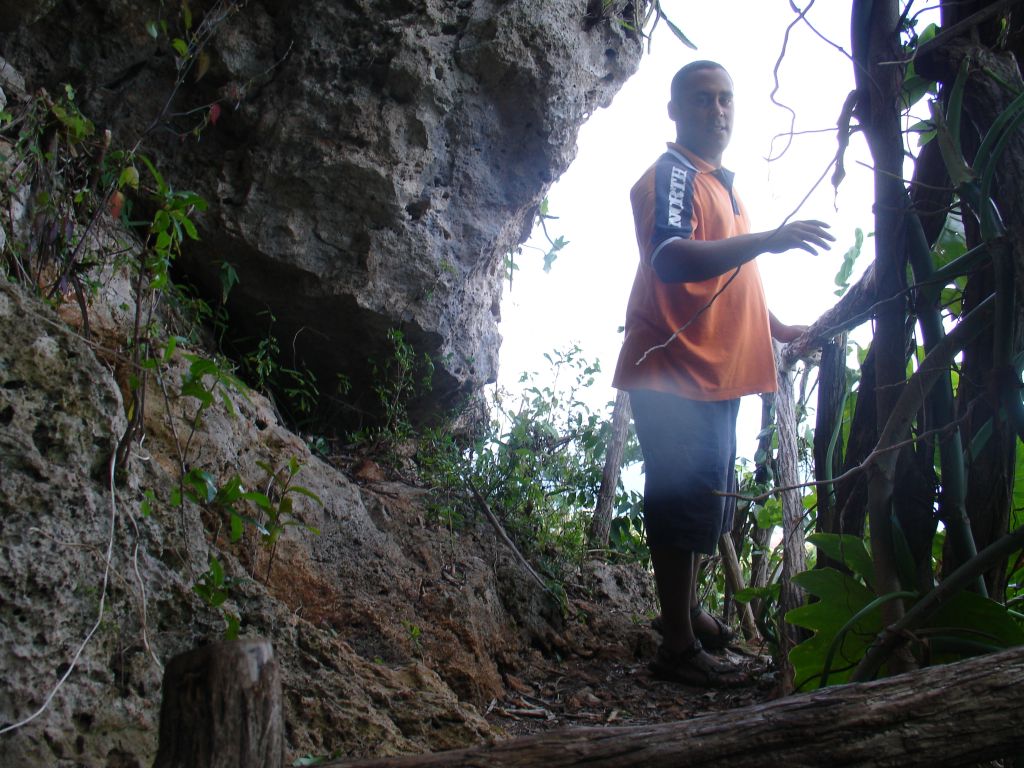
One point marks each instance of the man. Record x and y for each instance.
(697, 285)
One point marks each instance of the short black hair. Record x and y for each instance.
(679, 80)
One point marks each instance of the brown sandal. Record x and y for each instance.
(712, 641)
(692, 666)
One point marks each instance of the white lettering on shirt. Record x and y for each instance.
(676, 190)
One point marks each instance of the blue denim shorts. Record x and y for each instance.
(689, 449)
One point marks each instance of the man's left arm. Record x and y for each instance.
(784, 333)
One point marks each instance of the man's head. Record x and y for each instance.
(702, 109)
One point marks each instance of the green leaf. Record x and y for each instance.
(202, 484)
(233, 626)
(969, 615)
(956, 101)
(849, 258)
(305, 492)
(914, 89)
(1018, 485)
(230, 492)
(228, 280)
(157, 178)
(259, 499)
(770, 515)
(679, 33)
(237, 526)
(129, 177)
(216, 572)
(198, 391)
(180, 46)
(190, 228)
(152, 30)
(226, 401)
(770, 593)
(840, 597)
(847, 549)
(146, 507)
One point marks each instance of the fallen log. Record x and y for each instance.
(221, 708)
(952, 715)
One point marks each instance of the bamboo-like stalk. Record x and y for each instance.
(883, 471)
(952, 510)
(930, 603)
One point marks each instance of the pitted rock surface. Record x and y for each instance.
(372, 164)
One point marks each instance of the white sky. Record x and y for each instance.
(583, 298)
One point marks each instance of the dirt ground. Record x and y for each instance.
(615, 687)
(592, 670)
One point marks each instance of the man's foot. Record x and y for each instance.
(713, 633)
(694, 666)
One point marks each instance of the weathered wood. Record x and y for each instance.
(734, 581)
(875, 45)
(601, 523)
(854, 308)
(954, 715)
(794, 557)
(222, 708)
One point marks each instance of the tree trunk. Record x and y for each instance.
(954, 715)
(794, 559)
(852, 493)
(601, 523)
(222, 708)
(875, 44)
(828, 442)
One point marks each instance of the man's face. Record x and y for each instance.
(703, 113)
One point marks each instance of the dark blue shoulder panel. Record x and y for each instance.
(673, 199)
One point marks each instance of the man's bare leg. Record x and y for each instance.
(681, 657)
(675, 574)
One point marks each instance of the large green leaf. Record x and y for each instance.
(968, 615)
(840, 597)
(847, 549)
(1018, 488)
(846, 619)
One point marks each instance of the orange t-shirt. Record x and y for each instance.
(724, 350)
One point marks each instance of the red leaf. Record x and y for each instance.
(214, 113)
(115, 203)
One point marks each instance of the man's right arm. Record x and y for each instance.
(688, 261)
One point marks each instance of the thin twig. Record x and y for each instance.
(486, 509)
(853, 471)
(775, 75)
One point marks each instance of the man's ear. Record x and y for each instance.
(672, 112)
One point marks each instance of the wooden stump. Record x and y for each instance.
(222, 708)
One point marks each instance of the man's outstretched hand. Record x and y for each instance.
(809, 236)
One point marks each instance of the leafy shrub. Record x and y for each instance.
(537, 463)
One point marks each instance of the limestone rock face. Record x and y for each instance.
(97, 587)
(371, 163)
